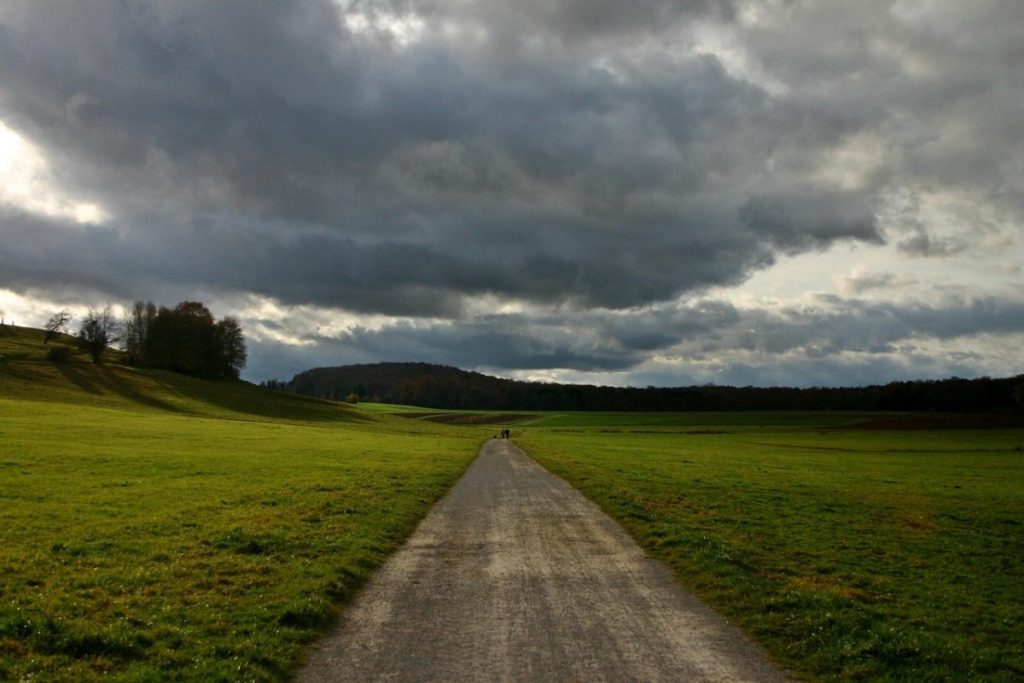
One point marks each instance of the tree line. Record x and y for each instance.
(185, 339)
(441, 387)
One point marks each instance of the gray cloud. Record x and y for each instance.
(863, 282)
(921, 243)
(363, 169)
(856, 341)
(608, 341)
(797, 222)
(821, 371)
(579, 155)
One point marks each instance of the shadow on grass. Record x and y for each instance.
(100, 380)
(289, 406)
(80, 379)
(241, 397)
(170, 392)
(19, 370)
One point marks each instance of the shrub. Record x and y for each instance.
(59, 354)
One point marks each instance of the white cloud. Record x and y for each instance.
(29, 185)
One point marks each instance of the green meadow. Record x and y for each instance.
(849, 552)
(157, 527)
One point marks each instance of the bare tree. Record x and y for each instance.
(99, 330)
(2, 316)
(136, 329)
(57, 324)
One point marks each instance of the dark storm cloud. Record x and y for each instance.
(939, 82)
(567, 21)
(797, 222)
(343, 170)
(588, 158)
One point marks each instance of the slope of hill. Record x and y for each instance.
(436, 386)
(26, 374)
(160, 527)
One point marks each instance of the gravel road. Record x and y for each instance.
(514, 576)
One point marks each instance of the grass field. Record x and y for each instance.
(851, 554)
(156, 527)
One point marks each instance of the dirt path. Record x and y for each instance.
(514, 576)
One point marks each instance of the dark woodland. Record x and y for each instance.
(442, 387)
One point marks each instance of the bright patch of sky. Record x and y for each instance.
(29, 185)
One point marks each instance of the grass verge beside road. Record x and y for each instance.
(155, 527)
(850, 554)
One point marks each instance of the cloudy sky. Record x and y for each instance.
(646, 192)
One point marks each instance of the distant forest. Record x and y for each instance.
(442, 387)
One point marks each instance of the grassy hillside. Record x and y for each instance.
(155, 527)
(28, 376)
(850, 553)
